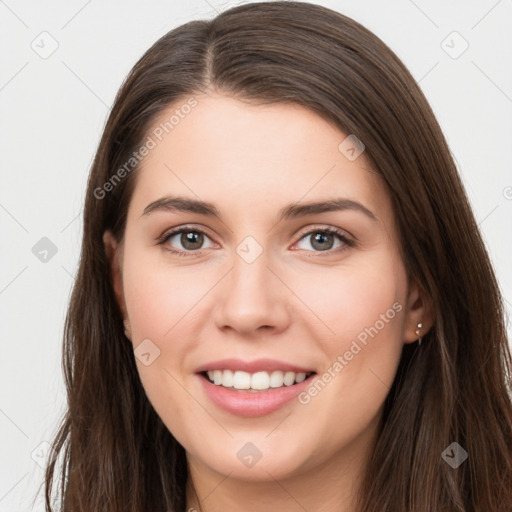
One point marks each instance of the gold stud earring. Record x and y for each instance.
(417, 332)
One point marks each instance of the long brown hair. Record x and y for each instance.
(117, 455)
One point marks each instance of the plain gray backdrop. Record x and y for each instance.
(61, 64)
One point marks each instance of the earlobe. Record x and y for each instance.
(420, 314)
(112, 252)
(418, 332)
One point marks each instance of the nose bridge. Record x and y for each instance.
(252, 294)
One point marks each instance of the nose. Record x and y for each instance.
(253, 297)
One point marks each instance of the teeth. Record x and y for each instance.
(258, 381)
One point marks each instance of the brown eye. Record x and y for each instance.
(191, 240)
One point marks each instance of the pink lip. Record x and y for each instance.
(243, 403)
(258, 365)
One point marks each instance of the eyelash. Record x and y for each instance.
(331, 231)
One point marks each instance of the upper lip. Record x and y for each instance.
(258, 365)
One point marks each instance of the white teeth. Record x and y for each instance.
(228, 378)
(260, 380)
(289, 378)
(241, 380)
(300, 377)
(217, 377)
(276, 379)
(257, 381)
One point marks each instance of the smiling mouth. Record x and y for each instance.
(259, 382)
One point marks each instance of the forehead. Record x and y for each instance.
(252, 157)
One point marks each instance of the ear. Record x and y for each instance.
(114, 256)
(419, 311)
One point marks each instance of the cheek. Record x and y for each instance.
(348, 300)
(360, 332)
(362, 314)
(159, 299)
(158, 295)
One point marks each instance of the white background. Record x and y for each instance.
(52, 114)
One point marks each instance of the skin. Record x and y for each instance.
(295, 302)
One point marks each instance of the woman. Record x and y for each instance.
(332, 339)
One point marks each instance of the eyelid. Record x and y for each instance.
(326, 227)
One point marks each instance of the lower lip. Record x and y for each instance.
(242, 403)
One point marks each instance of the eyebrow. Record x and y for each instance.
(291, 211)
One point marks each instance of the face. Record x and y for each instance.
(302, 290)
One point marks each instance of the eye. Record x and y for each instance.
(324, 240)
(191, 240)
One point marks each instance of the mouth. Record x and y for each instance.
(258, 382)
(256, 394)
